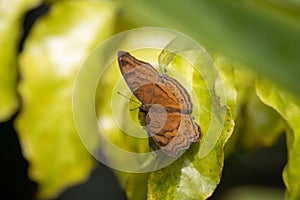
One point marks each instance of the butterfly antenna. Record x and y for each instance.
(132, 109)
(129, 98)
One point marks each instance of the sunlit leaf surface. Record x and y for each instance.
(191, 177)
(288, 106)
(11, 13)
(51, 58)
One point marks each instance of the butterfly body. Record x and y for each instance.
(165, 102)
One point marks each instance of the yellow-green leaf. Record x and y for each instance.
(227, 70)
(262, 125)
(49, 63)
(288, 106)
(253, 192)
(136, 186)
(197, 173)
(191, 177)
(11, 13)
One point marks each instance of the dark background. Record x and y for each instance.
(262, 167)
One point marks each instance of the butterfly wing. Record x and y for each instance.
(152, 88)
(176, 93)
(187, 132)
(139, 76)
(172, 132)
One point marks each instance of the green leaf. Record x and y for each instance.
(191, 177)
(49, 63)
(237, 82)
(262, 125)
(227, 73)
(188, 177)
(253, 192)
(263, 35)
(288, 106)
(135, 185)
(12, 13)
(257, 124)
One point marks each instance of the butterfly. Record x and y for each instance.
(165, 102)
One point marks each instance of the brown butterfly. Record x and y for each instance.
(165, 102)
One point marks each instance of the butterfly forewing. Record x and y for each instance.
(178, 93)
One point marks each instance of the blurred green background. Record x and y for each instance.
(260, 36)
